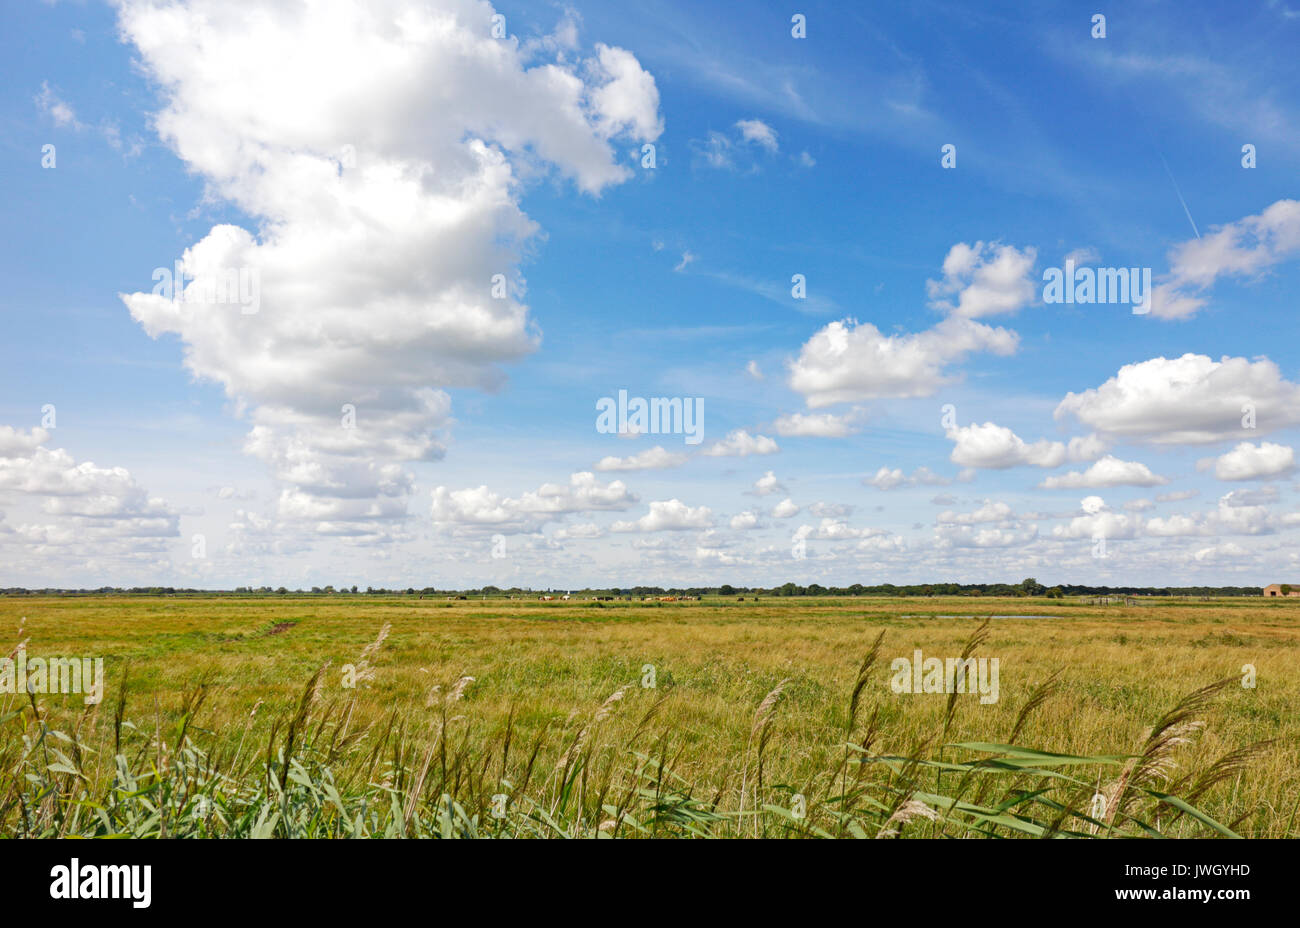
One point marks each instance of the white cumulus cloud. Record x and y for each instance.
(656, 458)
(740, 443)
(1188, 400)
(479, 509)
(1110, 471)
(380, 149)
(759, 133)
(670, 515)
(848, 361)
(1252, 462)
(986, 279)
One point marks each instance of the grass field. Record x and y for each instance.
(771, 717)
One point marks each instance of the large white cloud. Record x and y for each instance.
(996, 447)
(1188, 400)
(1253, 462)
(848, 361)
(379, 148)
(986, 279)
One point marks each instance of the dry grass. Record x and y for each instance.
(753, 703)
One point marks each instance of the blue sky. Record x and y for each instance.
(383, 164)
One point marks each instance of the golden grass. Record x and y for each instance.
(576, 671)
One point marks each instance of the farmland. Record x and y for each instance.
(356, 715)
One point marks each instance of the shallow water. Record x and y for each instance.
(928, 615)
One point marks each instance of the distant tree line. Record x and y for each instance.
(1028, 587)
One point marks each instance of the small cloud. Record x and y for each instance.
(1084, 256)
(740, 443)
(823, 510)
(785, 509)
(581, 530)
(986, 279)
(1263, 496)
(753, 370)
(671, 515)
(890, 478)
(1092, 505)
(229, 492)
(64, 117)
(820, 424)
(62, 114)
(1252, 462)
(687, 260)
(806, 160)
(1110, 471)
(757, 132)
(767, 485)
(718, 150)
(655, 458)
(715, 150)
(1223, 552)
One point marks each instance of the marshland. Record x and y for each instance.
(396, 716)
